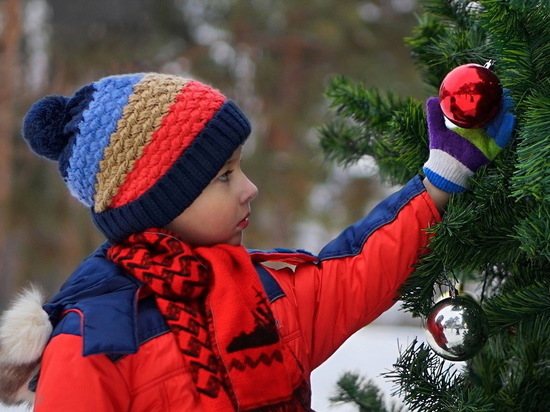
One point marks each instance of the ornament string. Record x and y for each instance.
(453, 291)
(484, 287)
(490, 64)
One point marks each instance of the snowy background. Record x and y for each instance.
(371, 352)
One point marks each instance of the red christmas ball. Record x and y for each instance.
(470, 96)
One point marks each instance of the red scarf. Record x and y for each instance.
(214, 303)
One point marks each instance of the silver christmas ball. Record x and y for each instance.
(457, 328)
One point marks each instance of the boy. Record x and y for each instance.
(172, 313)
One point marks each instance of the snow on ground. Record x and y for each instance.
(370, 352)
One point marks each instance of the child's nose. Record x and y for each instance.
(251, 190)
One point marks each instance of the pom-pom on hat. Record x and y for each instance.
(137, 149)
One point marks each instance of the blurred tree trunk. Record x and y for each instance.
(9, 71)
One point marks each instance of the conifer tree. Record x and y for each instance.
(496, 235)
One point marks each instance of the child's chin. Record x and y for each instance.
(236, 241)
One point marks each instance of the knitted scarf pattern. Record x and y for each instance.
(214, 304)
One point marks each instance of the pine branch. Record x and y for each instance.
(370, 123)
(533, 232)
(417, 292)
(510, 308)
(344, 142)
(514, 370)
(354, 100)
(448, 34)
(358, 129)
(427, 383)
(532, 177)
(411, 138)
(352, 388)
(520, 32)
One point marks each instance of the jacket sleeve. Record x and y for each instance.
(360, 271)
(70, 382)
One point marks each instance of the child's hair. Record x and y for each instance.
(137, 148)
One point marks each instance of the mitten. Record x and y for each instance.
(457, 153)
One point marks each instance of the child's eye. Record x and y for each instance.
(224, 177)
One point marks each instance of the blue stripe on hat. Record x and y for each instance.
(75, 107)
(99, 121)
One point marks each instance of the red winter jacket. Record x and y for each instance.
(109, 353)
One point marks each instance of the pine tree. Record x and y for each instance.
(497, 234)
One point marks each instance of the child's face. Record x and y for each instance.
(220, 214)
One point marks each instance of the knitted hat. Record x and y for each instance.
(137, 149)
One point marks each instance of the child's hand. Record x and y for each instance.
(457, 153)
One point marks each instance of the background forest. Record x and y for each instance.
(274, 57)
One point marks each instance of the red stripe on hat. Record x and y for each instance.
(191, 111)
